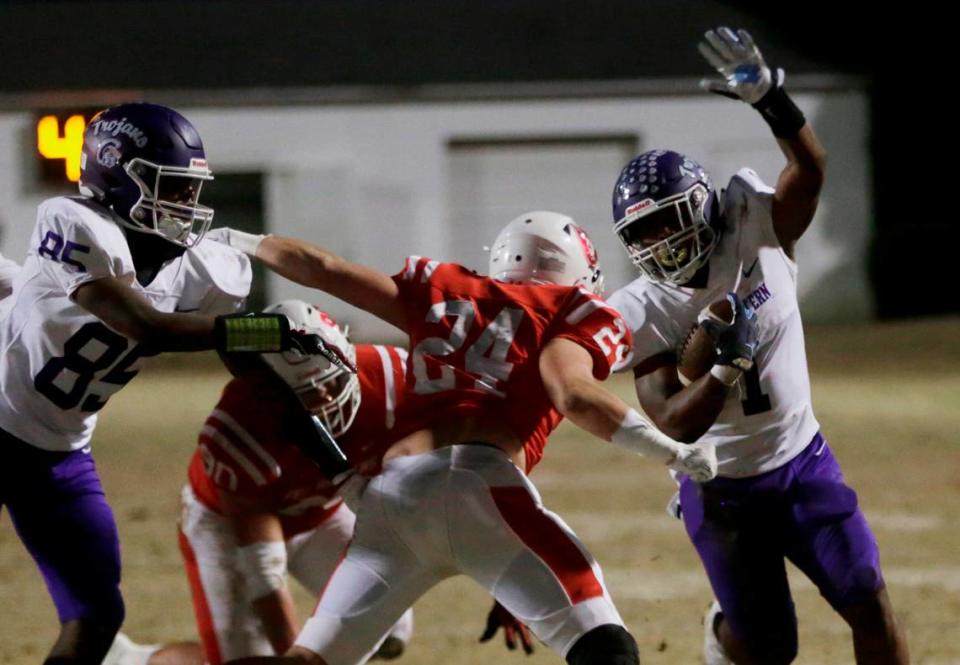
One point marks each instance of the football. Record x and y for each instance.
(698, 352)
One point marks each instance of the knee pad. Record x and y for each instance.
(605, 645)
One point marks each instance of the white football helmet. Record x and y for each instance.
(542, 247)
(330, 392)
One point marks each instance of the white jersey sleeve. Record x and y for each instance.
(74, 245)
(217, 279)
(768, 418)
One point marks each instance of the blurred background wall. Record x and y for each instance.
(383, 129)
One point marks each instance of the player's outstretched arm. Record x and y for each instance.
(116, 304)
(311, 265)
(124, 310)
(566, 369)
(746, 76)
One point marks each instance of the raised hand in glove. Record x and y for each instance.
(746, 75)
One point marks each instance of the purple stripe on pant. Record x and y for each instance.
(743, 528)
(59, 510)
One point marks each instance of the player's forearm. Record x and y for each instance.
(798, 186)
(277, 613)
(589, 406)
(592, 408)
(177, 332)
(297, 260)
(132, 316)
(806, 160)
(311, 265)
(689, 413)
(262, 561)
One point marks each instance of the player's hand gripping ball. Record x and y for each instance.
(698, 353)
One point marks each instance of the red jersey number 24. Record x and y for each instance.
(486, 357)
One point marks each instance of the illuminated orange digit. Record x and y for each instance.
(67, 147)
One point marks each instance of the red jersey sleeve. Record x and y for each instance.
(596, 326)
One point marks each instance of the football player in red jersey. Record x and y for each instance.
(495, 363)
(256, 507)
(256, 500)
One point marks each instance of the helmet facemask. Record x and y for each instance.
(331, 393)
(669, 240)
(325, 390)
(168, 205)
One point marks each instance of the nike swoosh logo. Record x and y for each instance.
(746, 273)
(188, 309)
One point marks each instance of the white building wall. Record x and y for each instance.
(375, 181)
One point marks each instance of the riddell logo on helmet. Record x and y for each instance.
(637, 207)
(121, 126)
(198, 163)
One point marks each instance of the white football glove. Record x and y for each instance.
(697, 460)
(239, 240)
(746, 75)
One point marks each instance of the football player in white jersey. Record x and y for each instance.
(780, 492)
(112, 276)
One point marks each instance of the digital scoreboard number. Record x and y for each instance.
(59, 140)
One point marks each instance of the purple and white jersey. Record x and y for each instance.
(767, 419)
(58, 362)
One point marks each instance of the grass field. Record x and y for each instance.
(888, 397)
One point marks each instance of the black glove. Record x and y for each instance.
(310, 344)
(736, 342)
(500, 617)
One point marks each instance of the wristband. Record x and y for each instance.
(726, 374)
(264, 567)
(783, 116)
(257, 333)
(638, 435)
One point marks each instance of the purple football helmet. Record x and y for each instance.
(660, 207)
(146, 163)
